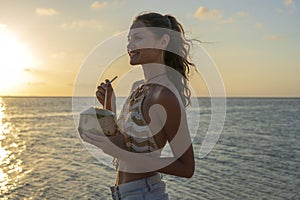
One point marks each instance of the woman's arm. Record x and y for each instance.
(119, 139)
(175, 129)
(170, 119)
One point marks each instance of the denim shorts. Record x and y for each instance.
(151, 188)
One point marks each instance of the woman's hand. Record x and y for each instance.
(106, 144)
(106, 89)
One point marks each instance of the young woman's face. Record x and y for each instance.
(143, 46)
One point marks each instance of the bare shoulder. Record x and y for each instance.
(172, 114)
(164, 96)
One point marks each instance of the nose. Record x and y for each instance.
(130, 46)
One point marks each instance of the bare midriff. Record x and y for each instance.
(125, 177)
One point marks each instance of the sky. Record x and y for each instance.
(254, 44)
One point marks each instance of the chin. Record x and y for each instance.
(134, 62)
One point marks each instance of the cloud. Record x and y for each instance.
(27, 70)
(258, 26)
(273, 37)
(289, 7)
(97, 5)
(233, 18)
(204, 13)
(290, 4)
(46, 11)
(79, 24)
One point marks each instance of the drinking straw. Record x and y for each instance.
(105, 98)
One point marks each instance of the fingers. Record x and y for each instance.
(98, 141)
(95, 140)
(105, 86)
(101, 91)
(104, 89)
(89, 140)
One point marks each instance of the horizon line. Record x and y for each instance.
(69, 96)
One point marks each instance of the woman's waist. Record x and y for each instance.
(127, 177)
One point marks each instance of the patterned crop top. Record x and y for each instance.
(132, 124)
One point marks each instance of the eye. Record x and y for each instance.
(134, 38)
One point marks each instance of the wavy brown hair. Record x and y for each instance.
(178, 59)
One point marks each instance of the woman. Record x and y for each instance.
(154, 113)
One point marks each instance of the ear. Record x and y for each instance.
(164, 41)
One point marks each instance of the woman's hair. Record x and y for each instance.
(180, 46)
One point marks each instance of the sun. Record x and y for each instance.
(14, 58)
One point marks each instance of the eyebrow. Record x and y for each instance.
(128, 36)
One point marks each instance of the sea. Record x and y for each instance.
(257, 155)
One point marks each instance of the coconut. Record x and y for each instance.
(98, 121)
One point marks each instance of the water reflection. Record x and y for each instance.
(10, 164)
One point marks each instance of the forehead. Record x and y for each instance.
(137, 24)
(139, 27)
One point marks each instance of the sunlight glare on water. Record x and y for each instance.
(3, 152)
(10, 166)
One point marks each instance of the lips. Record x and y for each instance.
(133, 54)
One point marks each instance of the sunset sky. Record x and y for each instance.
(255, 44)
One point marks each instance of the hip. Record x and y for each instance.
(147, 188)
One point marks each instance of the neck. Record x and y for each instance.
(152, 70)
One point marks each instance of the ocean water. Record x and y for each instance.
(256, 157)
